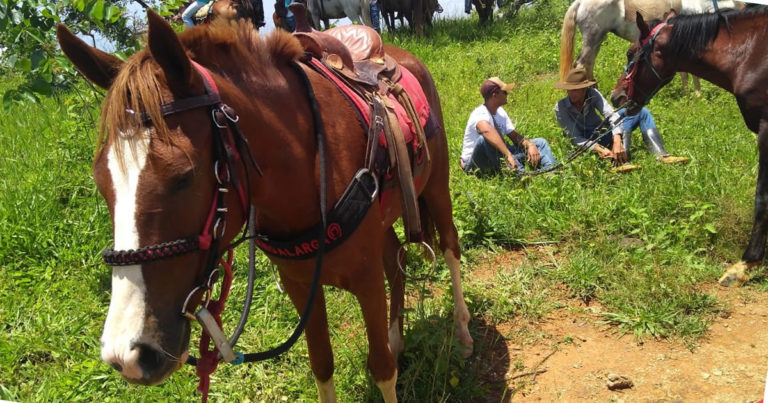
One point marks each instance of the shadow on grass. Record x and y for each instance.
(431, 369)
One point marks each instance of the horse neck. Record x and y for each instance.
(724, 60)
(276, 119)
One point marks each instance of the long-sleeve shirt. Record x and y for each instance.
(579, 124)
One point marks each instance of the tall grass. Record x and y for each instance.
(646, 245)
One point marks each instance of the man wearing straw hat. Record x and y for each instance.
(579, 115)
(484, 146)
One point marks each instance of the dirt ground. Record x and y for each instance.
(572, 356)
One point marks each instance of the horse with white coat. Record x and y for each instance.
(595, 18)
(323, 10)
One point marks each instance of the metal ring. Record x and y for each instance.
(213, 277)
(184, 311)
(231, 119)
(216, 173)
(425, 245)
(216, 234)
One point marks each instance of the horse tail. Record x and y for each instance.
(566, 39)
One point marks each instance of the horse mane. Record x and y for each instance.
(137, 87)
(692, 33)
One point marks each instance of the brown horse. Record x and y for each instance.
(158, 167)
(728, 50)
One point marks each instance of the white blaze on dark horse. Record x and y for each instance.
(178, 184)
(728, 50)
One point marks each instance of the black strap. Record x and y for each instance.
(343, 219)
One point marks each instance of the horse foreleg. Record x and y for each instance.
(396, 280)
(371, 295)
(736, 274)
(318, 340)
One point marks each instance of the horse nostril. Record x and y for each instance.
(150, 360)
(116, 366)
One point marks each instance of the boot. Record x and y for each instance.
(626, 138)
(652, 139)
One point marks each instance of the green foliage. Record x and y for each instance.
(641, 249)
(28, 33)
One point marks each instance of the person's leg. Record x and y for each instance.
(651, 135)
(188, 16)
(291, 21)
(485, 158)
(547, 159)
(628, 124)
(468, 6)
(375, 16)
(520, 156)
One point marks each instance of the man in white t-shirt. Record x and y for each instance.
(484, 145)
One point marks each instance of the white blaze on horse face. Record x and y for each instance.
(126, 319)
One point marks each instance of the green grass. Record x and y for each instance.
(646, 245)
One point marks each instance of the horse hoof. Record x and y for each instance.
(731, 280)
(735, 275)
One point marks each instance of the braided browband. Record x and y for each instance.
(150, 253)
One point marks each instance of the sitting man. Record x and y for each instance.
(578, 112)
(484, 145)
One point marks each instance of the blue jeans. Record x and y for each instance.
(487, 159)
(189, 14)
(375, 16)
(644, 120)
(467, 6)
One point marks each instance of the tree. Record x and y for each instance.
(28, 39)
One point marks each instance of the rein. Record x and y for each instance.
(227, 148)
(581, 149)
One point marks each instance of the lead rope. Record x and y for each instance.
(209, 358)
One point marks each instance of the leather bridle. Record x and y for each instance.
(646, 46)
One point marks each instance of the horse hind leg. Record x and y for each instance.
(736, 274)
(396, 280)
(437, 201)
(318, 339)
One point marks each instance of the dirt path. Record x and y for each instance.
(573, 355)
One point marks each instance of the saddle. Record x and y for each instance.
(355, 55)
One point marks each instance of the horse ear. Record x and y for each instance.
(166, 49)
(642, 26)
(98, 67)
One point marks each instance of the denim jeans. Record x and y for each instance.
(487, 159)
(643, 119)
(189, 14)
(375, 16)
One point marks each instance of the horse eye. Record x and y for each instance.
(181, 182)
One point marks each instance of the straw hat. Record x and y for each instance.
(576, 78)
(492, 84)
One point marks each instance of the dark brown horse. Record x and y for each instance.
(729, 50)
(159, 171)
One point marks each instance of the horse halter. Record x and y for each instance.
(632, 66)
(225, 150)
